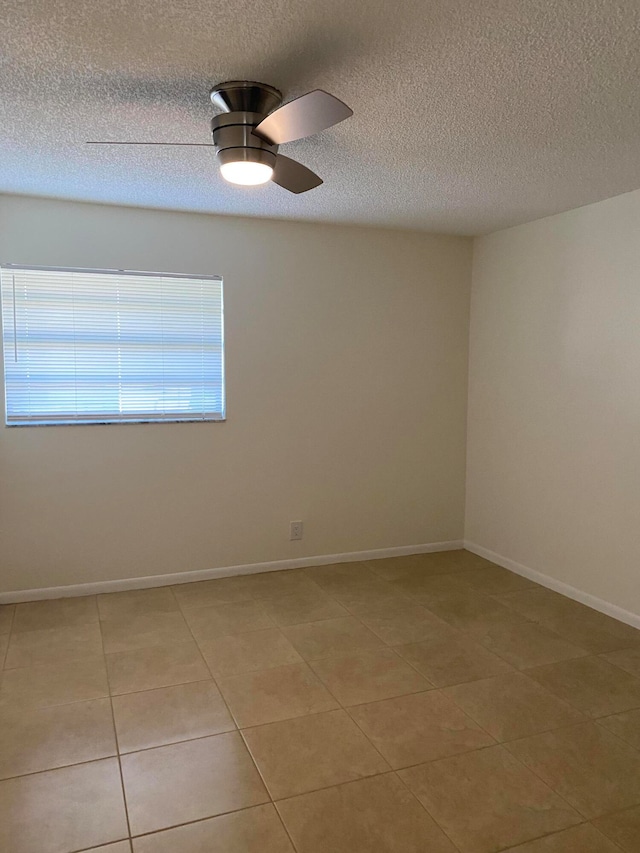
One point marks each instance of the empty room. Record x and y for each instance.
(320, 429)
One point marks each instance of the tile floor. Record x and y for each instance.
(424, 704)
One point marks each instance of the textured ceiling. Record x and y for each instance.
(470, 115)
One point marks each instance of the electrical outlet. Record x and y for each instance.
(295, 530)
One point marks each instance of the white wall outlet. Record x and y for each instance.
(295, 530)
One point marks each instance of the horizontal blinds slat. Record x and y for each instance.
(102, 347)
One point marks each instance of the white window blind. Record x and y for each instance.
(104, 346)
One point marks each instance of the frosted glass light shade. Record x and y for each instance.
(246, 173)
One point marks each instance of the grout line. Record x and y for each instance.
(420, 803)
(340, 707)
(213, 679)
(410, 599)
(584, 818)
(345, 709)
(497, 743)
(10, 631)
(546, 784)
(597, 722)
(285, 828)
(521, 737)
(9, 634)
(182, 740)
(115, 734)
(102, 846)
(60, 767)
(550, 835)
(64, 661)
(246, 746)
(196, 821)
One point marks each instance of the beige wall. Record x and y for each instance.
(346, 379)
(553, 459)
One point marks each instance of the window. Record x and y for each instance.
(107, 346)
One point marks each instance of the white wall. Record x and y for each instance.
(346, 380)
(553, 479)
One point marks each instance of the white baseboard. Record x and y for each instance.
(123, 584)
(573, 592)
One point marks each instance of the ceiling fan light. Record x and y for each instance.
(246, 173)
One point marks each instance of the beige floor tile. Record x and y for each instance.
(408, 580)
(136, 602)
(63, 810)
(295, 756)
(578, 839)
(593, 685)
(512, 706)
(469, 610)
(213, 592)
(407, 623)
(4, 645)
(234, 654)
(454, 617)
(573, 621)
(527, 645)
(187, 781)
(54, 684)
(453, 659)
(336, 574)
(392, 568)
(254, 830)
(360, 595)
(626, 726)
(627, 659)
(541, 604)
(415, 568)
(157, 666)
(486, 800)
(369, 676)
(208, 623)
(614, 627)
(54, 645)
(421, 727)
(264, 585)
(6, 617)
(376, 814)
(459, 558)
(170, 714)
(45, 738)
(55, 613)
(595, 632)
(139, 631)
(495, 580)
(303, 607)
(415, 583)
(469, 560)
(281, 693)
(316, 640)
(429, 588)
(587, 765)
(623, 828)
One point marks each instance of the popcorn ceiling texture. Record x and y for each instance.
(470, 115)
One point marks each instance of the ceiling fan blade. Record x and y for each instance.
(302, 117)
(181, 144)
(293, 176)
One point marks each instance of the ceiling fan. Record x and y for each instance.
(252, 125)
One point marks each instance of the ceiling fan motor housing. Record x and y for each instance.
(244, 105)
(234, 139)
